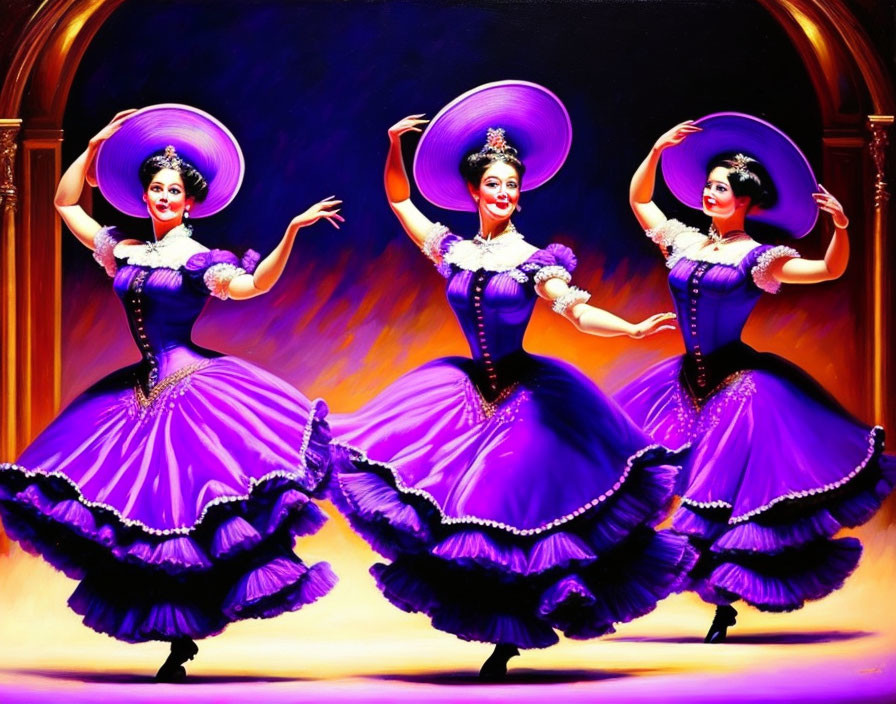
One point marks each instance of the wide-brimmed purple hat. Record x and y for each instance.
(535, 122)
(685, 167)
(196, 136)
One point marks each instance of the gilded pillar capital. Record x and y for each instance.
(880, 140)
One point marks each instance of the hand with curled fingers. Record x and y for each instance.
(409, 124)
(654, 324)
(829, 204)
(326, 209)
(676, 135)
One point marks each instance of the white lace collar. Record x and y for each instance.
(696, 250)
(502, 253)
(171, 252)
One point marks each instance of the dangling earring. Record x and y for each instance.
(519, 208)
(186, 213)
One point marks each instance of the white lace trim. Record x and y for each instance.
(167, 253)
(433, 242)
(555, 271)
(218, 277)
(361, 456)
(501, 254)
(103, 248)
(572, 297)
(668, 233)
(873, 437)
(761, 277)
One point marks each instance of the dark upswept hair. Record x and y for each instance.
(748, 177)
(195, 185)
(476, 163)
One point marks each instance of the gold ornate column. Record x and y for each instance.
(39, 263)
(882, 367)
(9, 131)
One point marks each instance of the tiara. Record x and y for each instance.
(171, 159)
(739, 163)
(495, 141)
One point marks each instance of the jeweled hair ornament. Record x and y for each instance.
(171, 159)
(495, 141)
(740, 162)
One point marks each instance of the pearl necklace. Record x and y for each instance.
(717, 238)
(510, 232)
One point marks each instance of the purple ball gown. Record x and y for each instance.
(511, 496)
(174, 489)
(777, 466)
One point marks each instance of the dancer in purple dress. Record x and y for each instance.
(174, 489)
(777, 466)
(511, 496)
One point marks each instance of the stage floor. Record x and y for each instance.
(353, 647)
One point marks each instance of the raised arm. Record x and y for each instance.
(271, 267)
(571, 303)
(398, 188)
(810, 271)
(68, 193)
(640, 195)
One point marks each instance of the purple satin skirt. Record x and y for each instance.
(777, 468)
(177, 512)
(507, 520)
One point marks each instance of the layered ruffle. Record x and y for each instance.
(777, 468)
(176, 516)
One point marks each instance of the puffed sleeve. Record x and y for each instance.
(216, 268)
(104, 243)
(436, 245)
(674, 234)
(556, 261)
(766, 256)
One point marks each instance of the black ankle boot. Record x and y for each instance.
(495, 668)
(172, 670)
(718, 631)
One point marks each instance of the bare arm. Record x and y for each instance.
(398, 188)
(68, 193)
(810, 271)
(640, 195)
(271, 267)
(597, 321)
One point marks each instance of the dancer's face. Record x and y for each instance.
(498, 192)
(166, 199)
(719, 200)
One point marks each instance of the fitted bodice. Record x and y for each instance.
(164, 286)
(491, 289)
(162, 306)
(493, 310)
(714, 299)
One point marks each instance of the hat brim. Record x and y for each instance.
(685, 165)
(536, 124)
(197, 137)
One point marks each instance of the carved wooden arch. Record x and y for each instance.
(849, 77)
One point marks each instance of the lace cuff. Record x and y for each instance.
(761, 277)
(103, 248)
(218, 277)
(572, 297)
(432, 245)
(554, 271)
(666, 234)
